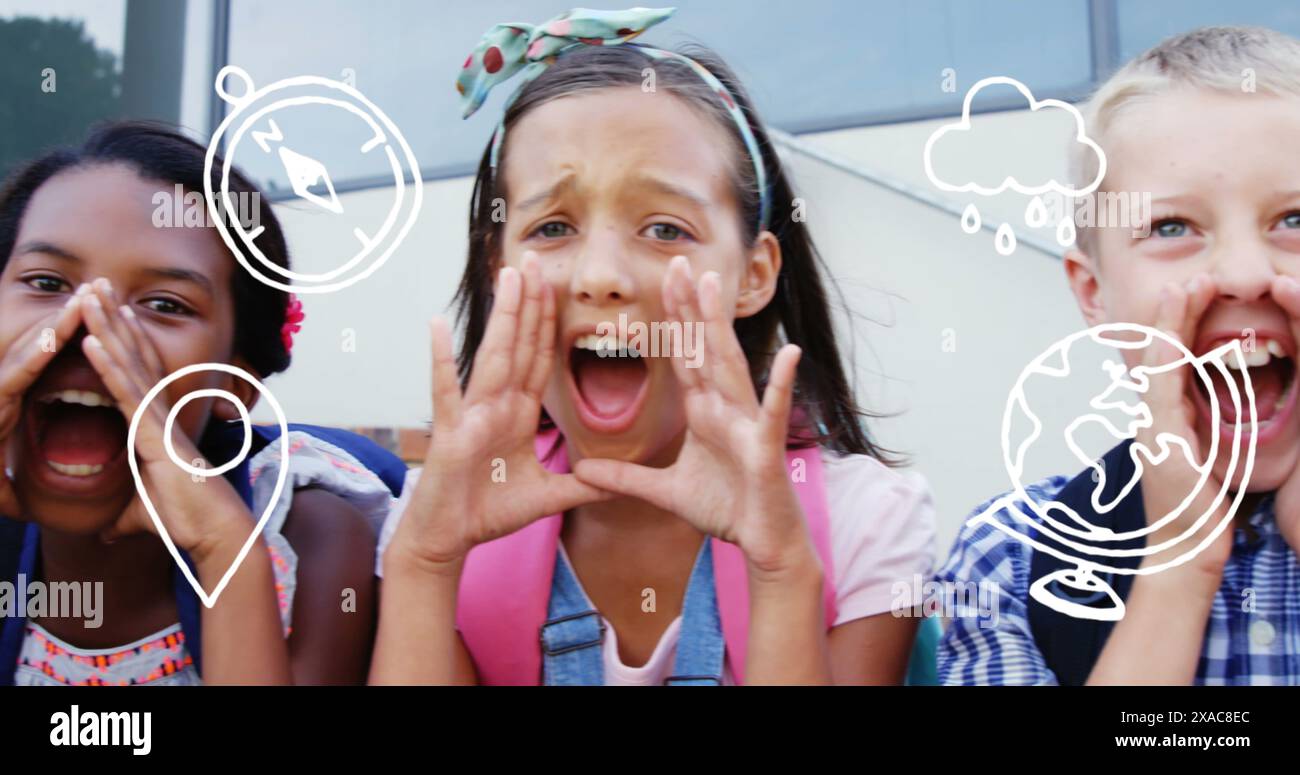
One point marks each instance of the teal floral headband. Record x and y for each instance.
(508, 48)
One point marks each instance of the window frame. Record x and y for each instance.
(1103, 46)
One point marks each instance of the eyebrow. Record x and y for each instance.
(547, 194)
(184, 275)
(163, 272)
(648, 181)
(673, 190)
(49, 249)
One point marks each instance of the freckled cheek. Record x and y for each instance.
(556, 272)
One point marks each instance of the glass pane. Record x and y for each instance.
(816, 64)
(60, 71)
(1142, 25)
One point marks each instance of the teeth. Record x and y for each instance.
(596, 343)
(1275, 349)
(76, 470)
(82, 397)
(604, 346)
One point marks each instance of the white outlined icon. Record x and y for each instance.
(282, 475)
(1035, 213)
(1062, 532)
(252, 118)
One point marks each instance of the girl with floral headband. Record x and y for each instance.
(703, 508)
(97, 305)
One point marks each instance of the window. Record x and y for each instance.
(811, 65)
(1142, 25)
(60, 71)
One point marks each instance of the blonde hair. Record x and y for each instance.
(1227, 59)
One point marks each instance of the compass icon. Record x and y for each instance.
(282, 127)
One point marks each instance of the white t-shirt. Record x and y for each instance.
(882, 532)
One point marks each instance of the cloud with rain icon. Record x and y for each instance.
(1007, 162)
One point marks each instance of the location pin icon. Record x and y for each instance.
(209, 600)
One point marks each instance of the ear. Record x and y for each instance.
(242, 389)
(762, 271)
(1085, 281)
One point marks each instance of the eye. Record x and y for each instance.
(1290, 221)
(1170, 228)
(666, 232)
(47, 283)
(166, 306)
(553, 230)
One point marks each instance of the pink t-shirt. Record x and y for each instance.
(882, 533)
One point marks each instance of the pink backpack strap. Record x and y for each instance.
(732, 580)
(504, 591)
(506, 584)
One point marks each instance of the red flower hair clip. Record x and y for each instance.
(293, 317)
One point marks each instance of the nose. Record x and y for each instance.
(601, 274)
(1244, 269)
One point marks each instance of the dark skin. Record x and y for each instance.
(169, 296)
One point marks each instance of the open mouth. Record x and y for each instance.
(609, 383)
(77, 432)
(1271, 366)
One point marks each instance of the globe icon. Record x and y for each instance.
(1115, 414)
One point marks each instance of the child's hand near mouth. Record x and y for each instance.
(1164, 486)
(730, 479)
(1286, 502)
(205, 518)
(457, 504)
(243, 642)
(121, 352)
(20, 367)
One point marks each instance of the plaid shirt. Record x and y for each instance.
(1253, 635)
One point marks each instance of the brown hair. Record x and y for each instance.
(800, 308)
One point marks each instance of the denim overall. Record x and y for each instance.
(573, 636)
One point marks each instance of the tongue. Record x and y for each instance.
(610, 385)
(82, 435)
(1267, 382)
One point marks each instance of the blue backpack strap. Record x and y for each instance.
(22, 540)
(11, 547)
(1071, 646)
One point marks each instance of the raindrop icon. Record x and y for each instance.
(1005, 240)
(1036, 213)
(1065, 232)
(970, 219)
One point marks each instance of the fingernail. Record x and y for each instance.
(72, 300)
(93, 301)
(83, 289)
(92, 341)
(104, 285)
(126, 311)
